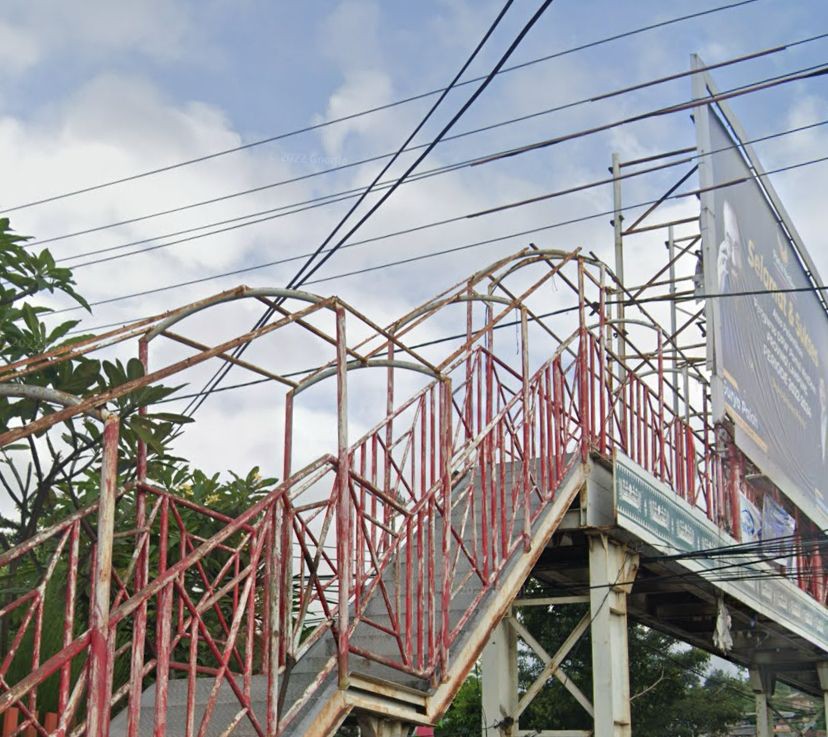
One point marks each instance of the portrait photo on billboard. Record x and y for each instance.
(770, 337)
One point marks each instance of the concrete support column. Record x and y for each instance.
(375, 726)
(763, 683)
(612, 569)
(499, 678)
(822, 672)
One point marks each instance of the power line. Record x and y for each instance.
(322, 201)
(532, 231)
(309, 268)
(379, 157)
(809, 72)
(369, 111)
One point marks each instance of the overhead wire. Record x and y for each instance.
(369, 111)
(440, 170)
(311, 266)
(677, 297)
(378, 157)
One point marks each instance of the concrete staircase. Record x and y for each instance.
(313, 702)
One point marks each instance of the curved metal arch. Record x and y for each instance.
(245, 293)
(527, 259)
(474, 297)
(371, 363)
(53, 396)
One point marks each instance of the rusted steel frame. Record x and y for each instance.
(128, 387)
(69, 616)
(391, 463)
(406, 323)
(660, 201)
(67, 352)
(233, 552)
(18, 602)
(663, 282)
(659, 431)
(516, 302)
(101, 633)
(537, 319)
(379, 567)
(31, 722)
(620, 288)
(230, 646)
(313, 570)
(390, 662)
(153, 587)
(21, 633)
(190, 343)
(444, 456)
(659, 226)
(46, 669)
(389, 335)
(273, 613)
(36, 608)
(228, 675)
(212, 596)
(320, 553)
(343, 508)
(319, 333)
(460, 535)
(385, 630)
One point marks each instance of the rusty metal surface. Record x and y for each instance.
(382, 553)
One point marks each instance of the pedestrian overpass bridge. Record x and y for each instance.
(367, 583)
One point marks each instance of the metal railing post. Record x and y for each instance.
(343, 513)
(100, 645)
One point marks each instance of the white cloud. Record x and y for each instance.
(19, 49)
(159, 29)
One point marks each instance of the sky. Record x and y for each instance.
(98, 91)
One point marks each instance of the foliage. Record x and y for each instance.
(669, 693)
(52, 475)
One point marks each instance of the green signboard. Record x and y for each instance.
(655, 514)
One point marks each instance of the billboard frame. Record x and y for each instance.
(704, 87)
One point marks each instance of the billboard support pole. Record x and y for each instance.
(618, 233)
(671, 255)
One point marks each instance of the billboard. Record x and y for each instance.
(769, 349)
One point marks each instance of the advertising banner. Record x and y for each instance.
(770, 338)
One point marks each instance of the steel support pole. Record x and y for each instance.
(762, 683)
(100, 645)
(611, 570)
(618, 236)
(499, 681)
(343, 517)
(822, 672)
(671, 255)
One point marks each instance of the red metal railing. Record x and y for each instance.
(153, 588)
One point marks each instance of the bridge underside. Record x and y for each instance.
(776, 632)
(666, 596)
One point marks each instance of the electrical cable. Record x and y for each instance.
(470, 162)
(352, 116)
(810, 72)
(677, 297)
(309, 268)
(432, 224)
(325, 200)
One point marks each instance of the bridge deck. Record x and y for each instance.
(774, 623)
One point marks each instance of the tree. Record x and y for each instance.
(670, 692)
(58, 472)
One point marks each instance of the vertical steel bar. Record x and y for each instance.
(618, 238)
(100, 663)
(445, 483)
(65, 684)
(527, 428)
(343, 509)
(163, 639)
